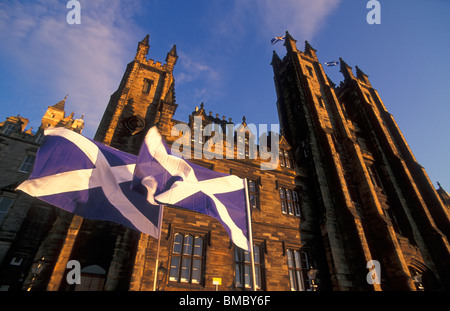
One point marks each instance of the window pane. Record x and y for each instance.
(5, 204)
(252, 201)
(292, 280)
(290, 259)
(286, 159)
(300, 280)
(247, 256)
(185, 270)
(256, 254)
(238, 255)
(187, 245)
(251, 185)
(282, 161)
(9, 129)
(288, 195)
(247, 274)
(305, 262)
(283, 207)
(297, 260)
(177, 242)
(198, 246)
(297, 209)
(290, 210)
(196, 271)
(241, 146)
(295, 194)
(258, 276)
(174, 268)
(27, 164)
(282, 196)
(238, 276)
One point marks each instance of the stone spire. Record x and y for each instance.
(61, 104)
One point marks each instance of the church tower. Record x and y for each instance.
(145, 97)
(373, 201)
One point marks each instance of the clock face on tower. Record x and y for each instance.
(134, 124)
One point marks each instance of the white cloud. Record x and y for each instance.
(302, 18)
(86, 60)
(192, 70)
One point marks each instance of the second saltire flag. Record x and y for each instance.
(170, 180)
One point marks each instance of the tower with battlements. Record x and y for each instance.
(373, 200)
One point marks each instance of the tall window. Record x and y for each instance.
(27, 164)
(374, 176)
(290, 202)
(243, 269)
(243, 147)
(298, 265)
(187, 259)
(253, 193)
(5, 204)
(310, 71)
(285, 160)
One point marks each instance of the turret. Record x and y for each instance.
(309, 50)
(362, 76)
(275, 60)
(346, 70)
(171, 58)
(290, 43)
(142, 49)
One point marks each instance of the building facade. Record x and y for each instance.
(24, 221)
(375, 202)
(347, 191)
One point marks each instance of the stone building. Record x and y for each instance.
(24, 221)
(373, 200)
(347, 190)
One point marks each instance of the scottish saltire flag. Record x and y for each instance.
(277, 39)
(91, 180)
(333, 63)
(170, 180)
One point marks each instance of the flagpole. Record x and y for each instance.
(161, 212)
(250, 235)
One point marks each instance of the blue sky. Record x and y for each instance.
(225, 54)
